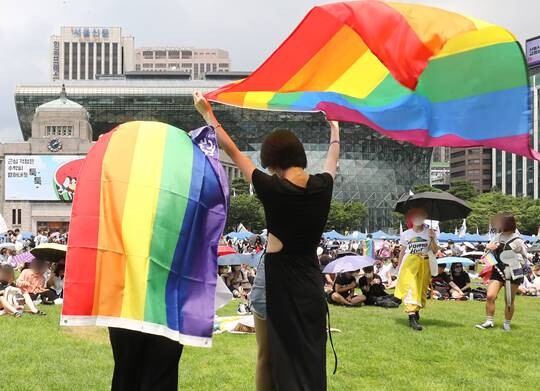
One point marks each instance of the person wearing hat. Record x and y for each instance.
(414, 273)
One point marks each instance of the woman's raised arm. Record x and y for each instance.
(243, 162)
(330, 166)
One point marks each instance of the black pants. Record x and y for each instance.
(144, 362)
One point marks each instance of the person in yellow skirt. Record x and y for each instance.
(414, 271)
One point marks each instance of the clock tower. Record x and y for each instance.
(60, 126)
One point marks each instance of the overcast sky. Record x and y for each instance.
(249, 29)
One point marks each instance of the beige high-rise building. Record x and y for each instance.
(196, 62)
(83, 53)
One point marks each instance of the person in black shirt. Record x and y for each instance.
(344, 291)
(444, 287)
(460, 277)
(289, 303)
(371, 286)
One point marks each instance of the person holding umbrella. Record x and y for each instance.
(414, 274)
(419, 246)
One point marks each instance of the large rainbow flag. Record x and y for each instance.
(148, 213)
(411, 72)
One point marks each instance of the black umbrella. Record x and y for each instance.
(439, 206)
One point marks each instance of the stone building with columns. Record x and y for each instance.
(31, 197)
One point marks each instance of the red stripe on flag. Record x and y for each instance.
(79, 282)
(388, 35)
(306, 40)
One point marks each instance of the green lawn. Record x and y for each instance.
(376, 352)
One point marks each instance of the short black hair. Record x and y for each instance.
(282, 149)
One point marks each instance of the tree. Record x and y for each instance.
(247, 210)
(345, 216)
(463, 189)
(423, 188)
(239, 186)
(484, 206)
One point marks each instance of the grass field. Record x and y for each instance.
(376, 352)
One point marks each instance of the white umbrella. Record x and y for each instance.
(8, 245)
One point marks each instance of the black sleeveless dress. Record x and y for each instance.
(295, 300)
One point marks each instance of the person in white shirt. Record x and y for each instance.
(389, 273)
(415, 274)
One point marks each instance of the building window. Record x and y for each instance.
(107, 58)
(187, 65)
(138, 67)
(62, 131)
(161, 54)
(115, 58)
(223, 65)
(99, 56)
(147, 65)
(82, 63)
(74, 47)
(66, 60)
(214, 67)
(186, 54)
(16, 216)
(458, 154)
(91, 61)
(161, 66)
(174, 54)
(148, 54)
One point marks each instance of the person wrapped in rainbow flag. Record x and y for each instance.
(414, 271)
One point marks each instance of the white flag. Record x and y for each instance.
(463, 229)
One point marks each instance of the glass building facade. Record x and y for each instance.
(372, 168)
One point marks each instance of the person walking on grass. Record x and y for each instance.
(414, 272)
(509, 249)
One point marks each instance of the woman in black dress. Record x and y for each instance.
(291, 322)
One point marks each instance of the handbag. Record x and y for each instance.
(512, 261)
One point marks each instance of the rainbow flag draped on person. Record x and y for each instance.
(411, 72)
(148, 213)
(369, 248)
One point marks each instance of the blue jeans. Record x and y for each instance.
(257, 297)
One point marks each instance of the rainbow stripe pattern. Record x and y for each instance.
(369, 248)
(411, 72)
(489, 259)
(150, 208)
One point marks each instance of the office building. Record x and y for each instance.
(196, 62)
(84, 53)
(472, 165)
(513, 174)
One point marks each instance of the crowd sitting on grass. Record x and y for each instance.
(374, 285)
(26, 285)
(23, 286)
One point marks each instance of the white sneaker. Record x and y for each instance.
(484, 326)
(507, 327)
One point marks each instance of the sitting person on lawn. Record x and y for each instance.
(460, 277)
(12, 299)
(32, 280)
(389, 273)
(371, 285)
(344, 291)
(443, 286)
